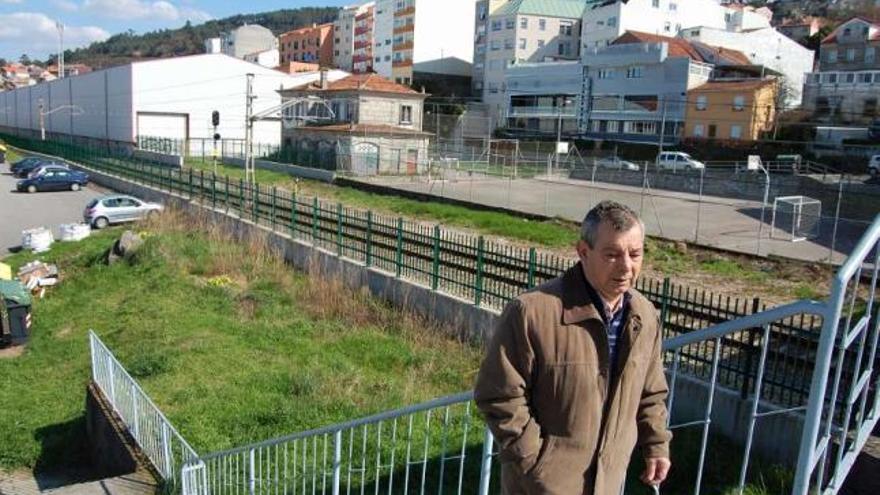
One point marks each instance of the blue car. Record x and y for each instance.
(54, 179)
(24, 166)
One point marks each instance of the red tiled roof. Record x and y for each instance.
(735, 85)
(373, 129)
(680, 47)
(361, 82)
(832, 36)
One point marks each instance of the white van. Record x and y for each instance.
(677, 160)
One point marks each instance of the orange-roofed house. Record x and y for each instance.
(736, 109)
(363, 124)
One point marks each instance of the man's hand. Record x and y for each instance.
(656, 470)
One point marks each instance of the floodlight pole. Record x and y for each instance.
(249, 172)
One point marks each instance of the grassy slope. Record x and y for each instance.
(230, 361)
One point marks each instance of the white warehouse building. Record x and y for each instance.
(171, 98)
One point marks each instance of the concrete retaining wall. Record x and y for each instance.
(112, 450)
(175, 161)
(284, 168)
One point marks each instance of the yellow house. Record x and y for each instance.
(738, 109)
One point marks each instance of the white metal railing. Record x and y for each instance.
(157, 438)
(443, 446)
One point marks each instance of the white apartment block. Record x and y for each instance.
(344, 34)
(603, 22)
(765, 47)
(520, 32)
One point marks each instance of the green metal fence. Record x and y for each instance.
(483, 272)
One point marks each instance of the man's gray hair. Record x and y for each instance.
(620, 217)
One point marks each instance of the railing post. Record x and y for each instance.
(398, 258)
(435, 269)
(213, 191)
(339, 229)
(337, 461)
(190, 184)
(252, 475)
(293, 215)
(486, 463)
(478, 285)
(369, 238)
(274, 199)
(315, 221)
(255, 203)
(166, 451)
(750, 353)
(533, 255)
(135, 430)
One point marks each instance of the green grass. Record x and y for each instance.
(230, 359)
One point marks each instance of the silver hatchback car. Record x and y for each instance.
(106, 210)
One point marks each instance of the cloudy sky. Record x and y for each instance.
(28, 26)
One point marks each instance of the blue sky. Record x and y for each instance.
(28, 26)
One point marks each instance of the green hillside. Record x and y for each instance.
(125, 47)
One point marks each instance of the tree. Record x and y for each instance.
(24, 59)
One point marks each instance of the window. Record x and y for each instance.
(736, 132)
(850, 54)
(524, 22)
(847, 32)
(831, 78)
(870, 54)
(613, 126)
(832, 56)
(698, 130)
(495, 45)
(865, 78)
(542, 24)
(510, 23)
(540, 43)
(405, 114)
(850, 78)
(713, 130)
(634, 72)
(655, 4)
(870, 107)
(667, 26)
(564, 48)
(739, 103)
(508, 44)
(605, 74)
(565, 28)
(702, 102)
(496, 25)
(522, 43)
(612, 21)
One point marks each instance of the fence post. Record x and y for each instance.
(750, 354)
(166, 450)
(533, 256)
(398, 259)
(337, 461)
(255, 203)
(293, 215)
(435, 269)
(213, 190)
(315, 221)
(369, 238)
(274, 199)
(664, 305)
(478, 289)
(252, 475)
(339, 229)
(190, 184)
(241, 199)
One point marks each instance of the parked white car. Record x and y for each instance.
(616, 163)
(677, 160)
(117, 208)
(874, 166)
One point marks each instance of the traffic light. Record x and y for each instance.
(215, 118)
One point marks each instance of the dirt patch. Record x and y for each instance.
(11, 352)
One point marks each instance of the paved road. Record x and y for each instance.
(20, 211)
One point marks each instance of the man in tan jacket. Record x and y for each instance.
(573, 377)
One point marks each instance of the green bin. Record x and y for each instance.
(15, 313)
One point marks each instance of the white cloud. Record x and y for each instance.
(36, 34)
(66, 5)
(11, 1)
(144, 9)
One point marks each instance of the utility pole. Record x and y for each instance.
(662, 129)
(60, 28)
(249, 165)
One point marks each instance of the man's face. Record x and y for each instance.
(614, 263)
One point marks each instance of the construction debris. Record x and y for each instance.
(38, 240)
(36, 276)
(74, 231)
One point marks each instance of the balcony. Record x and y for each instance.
(362, 30)
(402, 63)
(405, 29)
(406, 45)
(565, 112)
(405, 12)
(843, 79)
(362, 44)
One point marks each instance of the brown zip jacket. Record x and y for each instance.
(562, 425)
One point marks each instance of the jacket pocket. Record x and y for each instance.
(546, 450)
(561, 467)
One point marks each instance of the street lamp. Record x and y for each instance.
(565, 102)
(74, 110)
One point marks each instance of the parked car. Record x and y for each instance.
(874, 166)
(25, 170)
(54, 179)
(107, 210)
(616, 163)
(42, 169)
(27, 162)
(677, 160)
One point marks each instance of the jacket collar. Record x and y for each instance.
(577, 306)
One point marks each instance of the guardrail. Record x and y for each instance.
(157, 438)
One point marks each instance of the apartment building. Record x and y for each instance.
(735, 109)
(362, 57)
(603, 22)
(344, 34)
(312, 44)
(636, 88)
(521, 32)
(846, 86)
